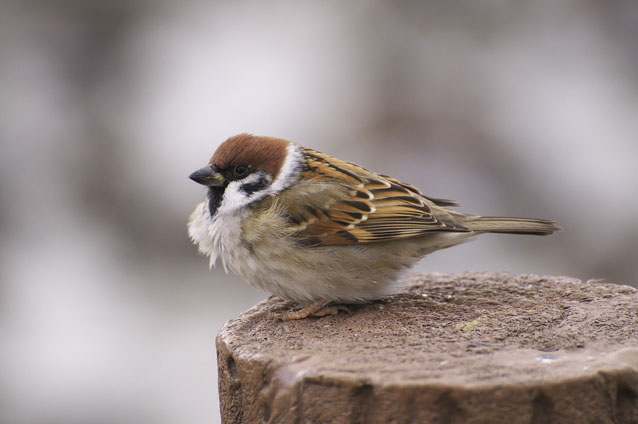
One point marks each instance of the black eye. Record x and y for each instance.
(240, 171)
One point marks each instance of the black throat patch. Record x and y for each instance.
(215, 195)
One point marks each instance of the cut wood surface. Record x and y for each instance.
(459, 348)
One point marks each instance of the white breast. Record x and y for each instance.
(217, 237)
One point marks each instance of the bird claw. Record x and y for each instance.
(316, 309)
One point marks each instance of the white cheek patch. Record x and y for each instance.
(258, 185)
(240, 193)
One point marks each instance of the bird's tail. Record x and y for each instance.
(501, 224)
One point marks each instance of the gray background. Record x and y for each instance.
(106, 313)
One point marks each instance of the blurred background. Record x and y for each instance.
(107, 315)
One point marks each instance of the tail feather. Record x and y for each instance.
(501, 224)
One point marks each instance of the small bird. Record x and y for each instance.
(319, 231)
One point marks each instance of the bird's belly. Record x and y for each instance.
(336, 273)
(348, 273)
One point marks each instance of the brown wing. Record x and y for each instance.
(435, 200)
(363, 208)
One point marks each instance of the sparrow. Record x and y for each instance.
(318, 231)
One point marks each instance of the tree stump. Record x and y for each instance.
(460, 348)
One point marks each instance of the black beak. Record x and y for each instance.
(208, 176)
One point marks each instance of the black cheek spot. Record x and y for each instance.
(250, 188)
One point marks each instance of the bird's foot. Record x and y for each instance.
(316, 309)
(276, 299)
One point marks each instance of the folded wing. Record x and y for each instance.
(363, 207)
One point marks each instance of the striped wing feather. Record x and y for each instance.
(366, 207)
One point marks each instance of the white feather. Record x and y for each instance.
(289, 170)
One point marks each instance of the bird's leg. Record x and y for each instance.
(276, 299)
(315, 309)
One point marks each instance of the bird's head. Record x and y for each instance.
(246, 168)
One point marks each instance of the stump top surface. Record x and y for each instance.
(467, 329)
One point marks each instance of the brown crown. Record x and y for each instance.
(265, 153)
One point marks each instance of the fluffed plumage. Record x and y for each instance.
(314, 229)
